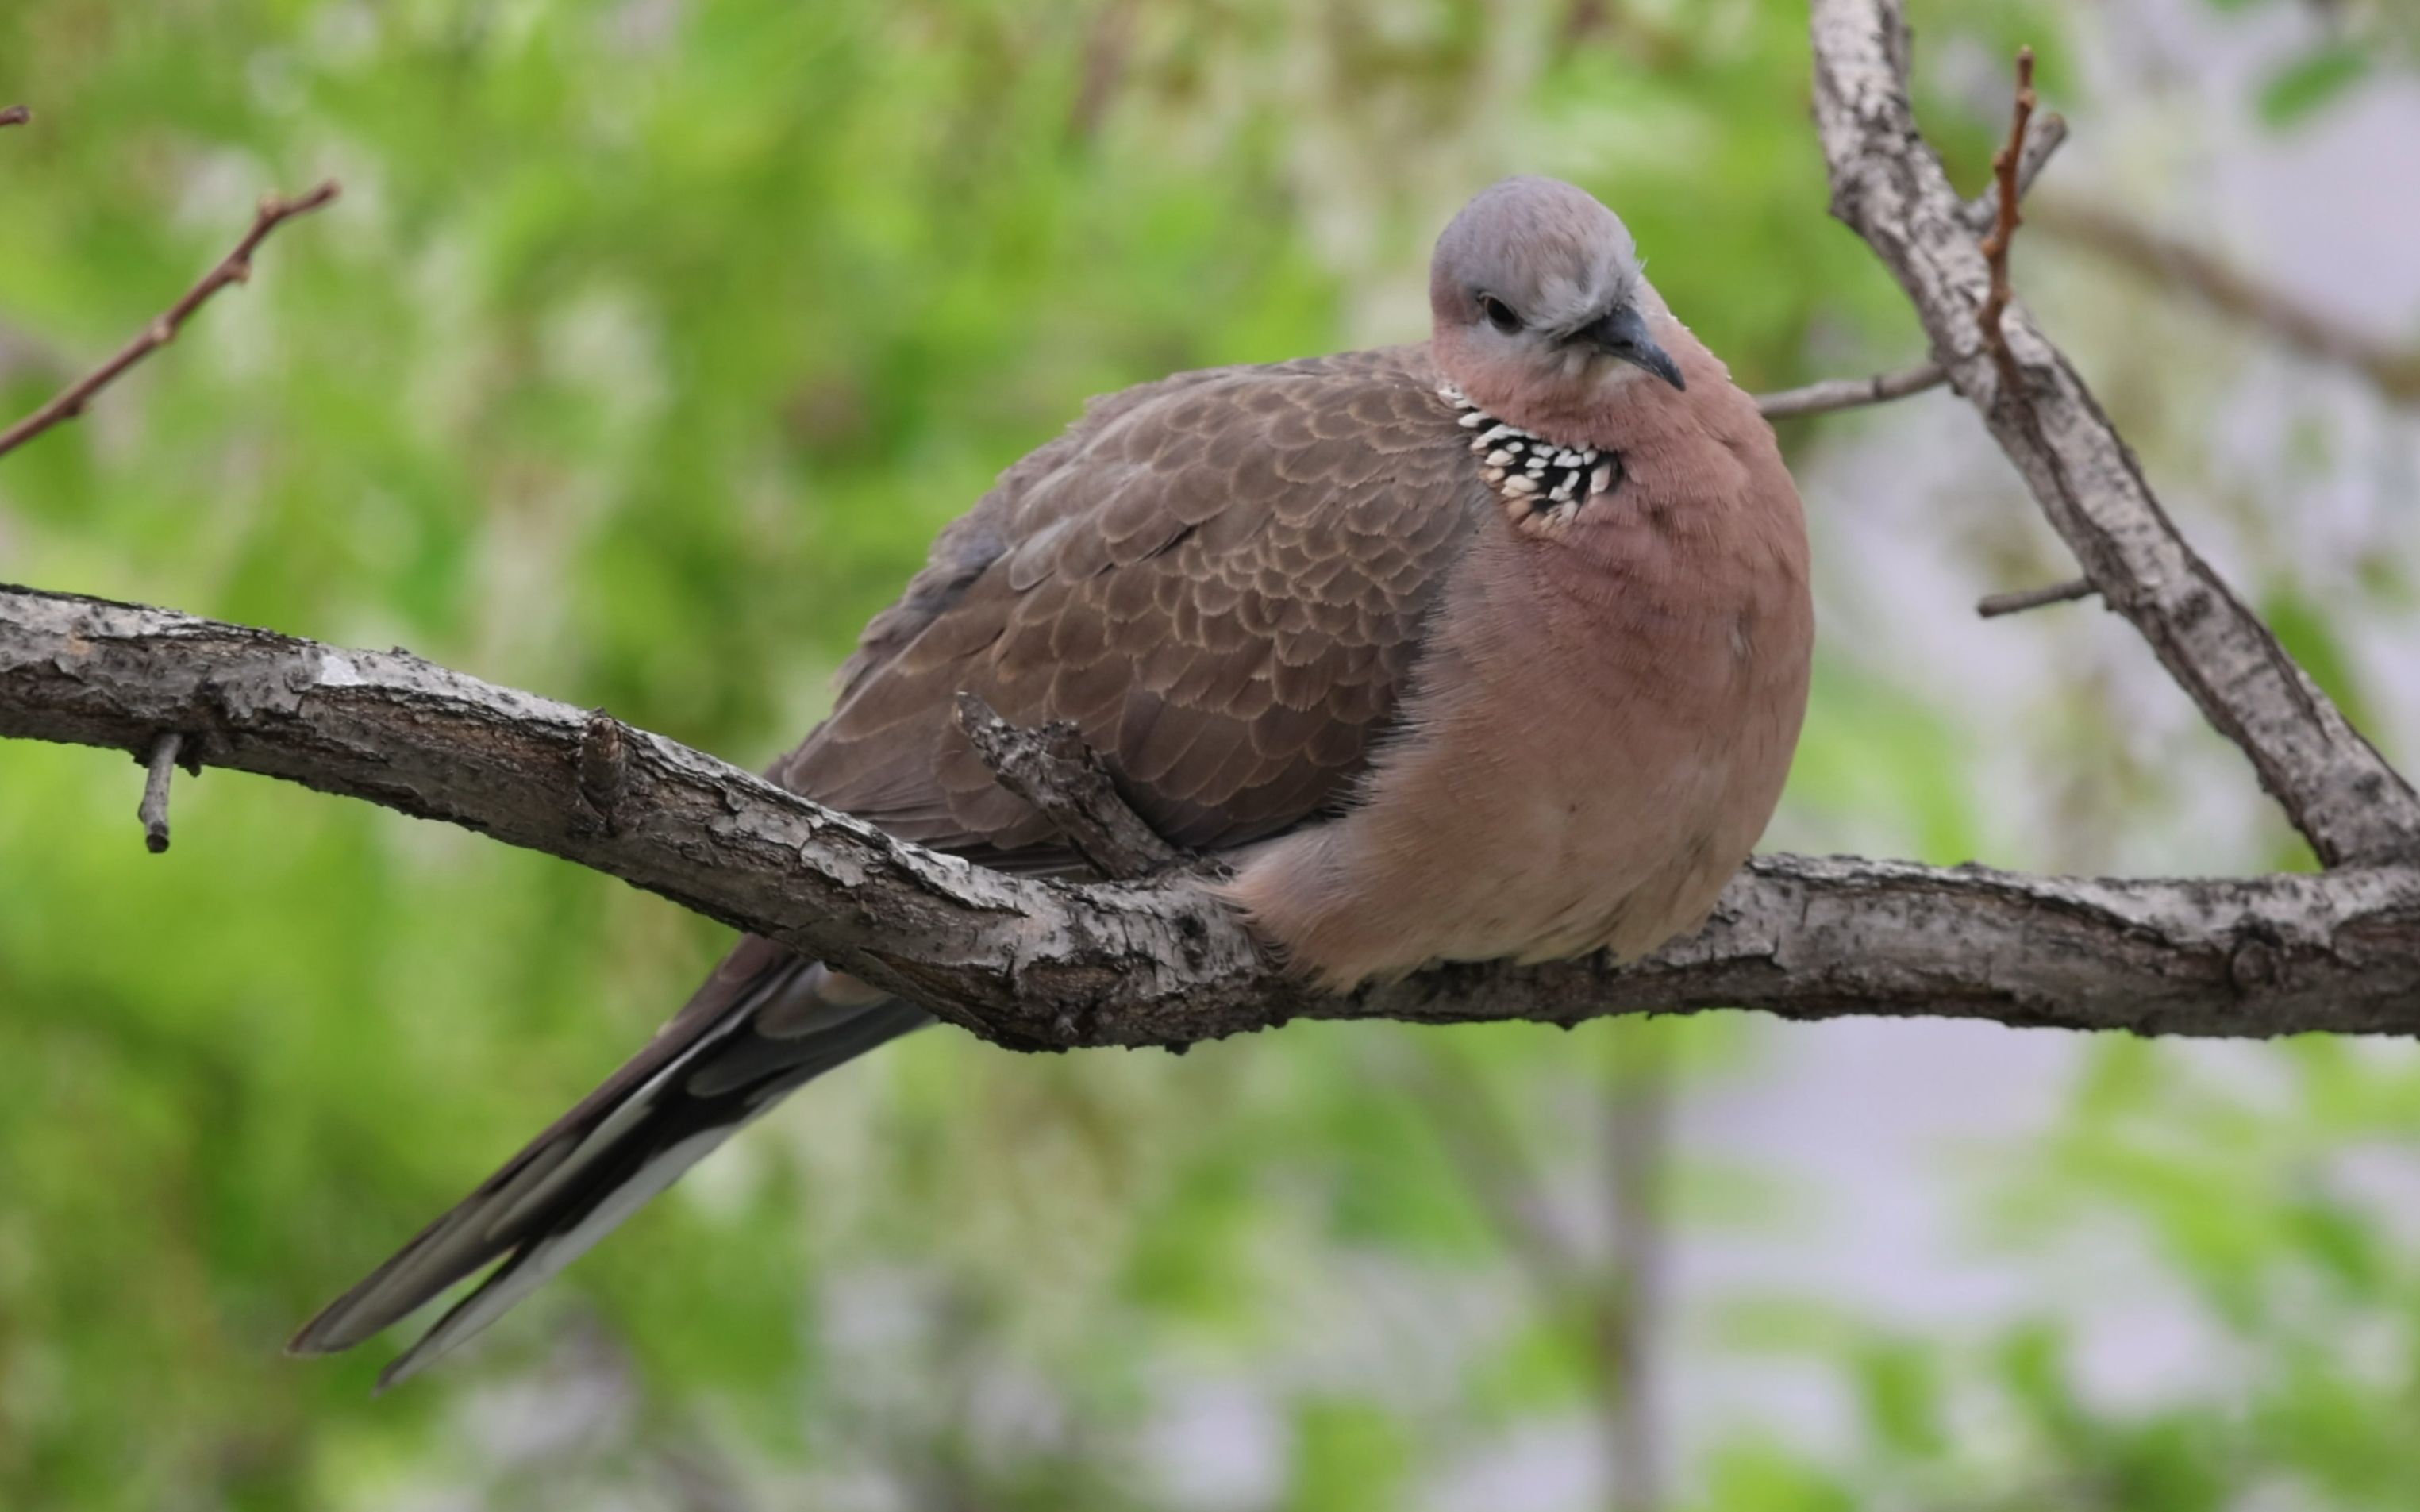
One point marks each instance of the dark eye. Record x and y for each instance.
(1499, 314)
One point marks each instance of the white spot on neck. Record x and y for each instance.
(1541, 482)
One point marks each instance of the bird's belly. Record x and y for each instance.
(1599, 826)
(1621, 856)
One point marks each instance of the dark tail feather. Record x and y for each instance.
(766, 1022)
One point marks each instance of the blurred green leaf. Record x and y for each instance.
(2310, 84)
(1903, 1393)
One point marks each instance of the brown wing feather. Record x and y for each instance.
(1218, 578)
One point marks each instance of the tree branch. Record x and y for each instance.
(1851, 393)
(15, 115)
(2034, 152)
(2008, 211)
(2017, 601)
(2174, 264)
(1041, 964)
(2048, 133)
(154, 810)
(1888, 186)
(235, 268)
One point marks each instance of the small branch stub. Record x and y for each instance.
(15, 115)
(153, 811)
(1052, 769)
(2021, 600)
(604, 769)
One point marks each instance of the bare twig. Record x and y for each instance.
(1034, 963)
(2010, 213)
(2175, 264)
(2049, 132)
(2018, 601)
(1052, 769)
(234, 267)
(15, 115)
(2045, 137)
(153, 811)
(2344, 797)
(1851, 393)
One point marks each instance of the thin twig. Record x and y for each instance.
(2005, 163)
(1851, 393)
(1052, 769)
(153, 811)
(2018, 601)
(233, 269)
(2047, 134)
(15, 115)
(2175, 264)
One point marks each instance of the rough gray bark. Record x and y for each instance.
(1041, 964)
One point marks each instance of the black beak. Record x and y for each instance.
(1622, 333)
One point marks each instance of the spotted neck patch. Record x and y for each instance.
(1541, 484)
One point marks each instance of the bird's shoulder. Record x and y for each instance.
(1219, 577)
(1186, 430)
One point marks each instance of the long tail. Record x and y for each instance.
(764, 1024)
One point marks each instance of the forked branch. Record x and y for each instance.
(1832, 394)
(1888, 186)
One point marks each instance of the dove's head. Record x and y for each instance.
(1542, 309)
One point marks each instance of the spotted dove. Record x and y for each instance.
(1495, 646)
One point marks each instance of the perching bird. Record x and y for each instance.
(1495, 646)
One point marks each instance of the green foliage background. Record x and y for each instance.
(649, 347)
